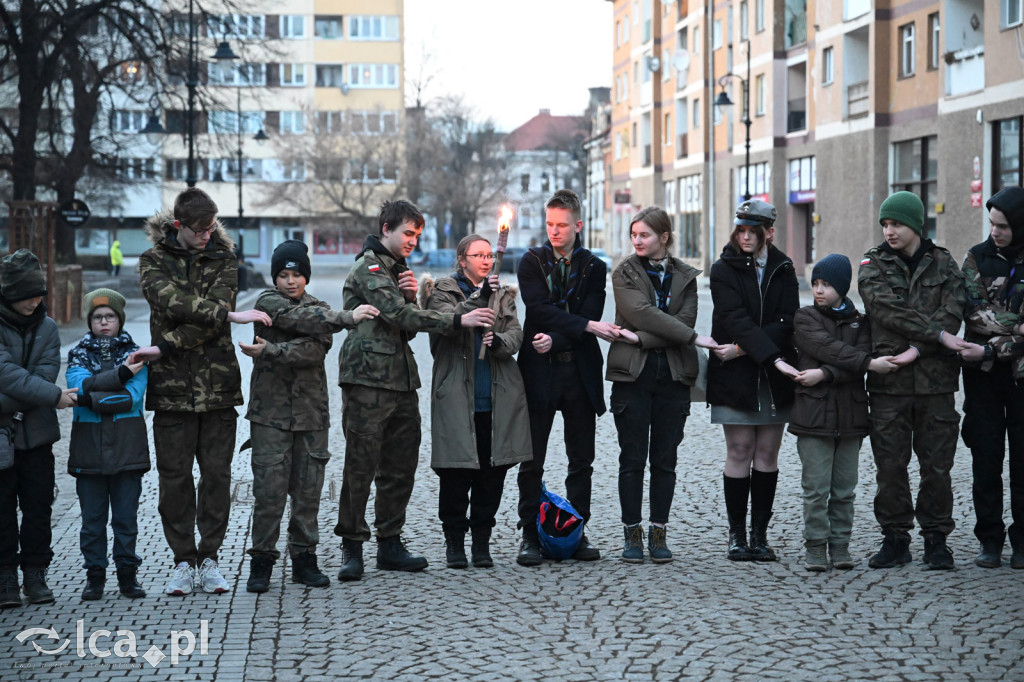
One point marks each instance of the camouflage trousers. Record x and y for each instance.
(181, 439)
(286, 463)
(382, 445)
(929, 426)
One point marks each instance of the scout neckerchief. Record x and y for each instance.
(561, 276)
(661, 279)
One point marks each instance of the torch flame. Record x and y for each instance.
(505, 219)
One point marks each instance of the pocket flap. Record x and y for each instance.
(386, 346)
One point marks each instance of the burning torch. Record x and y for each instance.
(504, 224)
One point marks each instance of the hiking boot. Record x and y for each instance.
(815, 558)
(35, 585)
(657, 545)
(128, 582)
(95, 579)
(990, 555)
(260, 568)
(455, 549)
(210, 578)
(351, 560)
(760, 550)
(840, 553)
(481, 548)
(306, 571)
(936, 554)
(182, 580)
(529, 548)
(633, 545)
(393, 556)
(894, 551)
(586, 551)
(10, 595)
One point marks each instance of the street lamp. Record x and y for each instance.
(723, 101)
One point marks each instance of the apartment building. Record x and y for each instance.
(846, 101)
(322, 80)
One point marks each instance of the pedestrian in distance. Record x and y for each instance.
(29, 399)
(480, 426)
(913, 293)
(830, 410)
(190, 279)
(289, 415)
(652, 366)
(379, 378)
(750, 387)
(994, 377)
(109, 449)
(563, 289)
(116, 258)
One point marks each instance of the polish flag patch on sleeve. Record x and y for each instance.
(865, 261)
(373, 268)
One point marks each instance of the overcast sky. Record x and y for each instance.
(511, 59)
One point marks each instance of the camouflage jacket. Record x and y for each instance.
(377, 352)
(288, 389)
(995, 294)
(190, 295)
(912, 310)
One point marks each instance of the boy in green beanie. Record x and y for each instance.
(914, 318)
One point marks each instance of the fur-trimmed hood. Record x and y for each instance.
(161, 226)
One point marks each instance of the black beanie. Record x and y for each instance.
(836, 270)
(1010, 200)
(290, 254)
(21, 277)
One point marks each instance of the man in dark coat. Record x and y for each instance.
(563, 287)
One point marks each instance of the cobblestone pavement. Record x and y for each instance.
(700, 617)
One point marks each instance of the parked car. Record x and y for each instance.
(600, 253)
(441, 261)
(510, 262)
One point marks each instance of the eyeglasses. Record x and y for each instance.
(200, 233)
(104, 318)
(485, 256)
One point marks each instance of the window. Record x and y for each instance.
(1007, 150)
(916, 169)
(329, 122)
(293, 75)
(293, 26)
(933, 41)
(760, 179)
(696, 113)
(177, 169)
(618, 37)
(666, 65)
(666, 130)
(327, 26)
(906, 50)
(136, 169)
(293, 122)
(246, 74)
(132, 73)
(125, 121)
(373, 75)
(682, 111)
(827, 66)
(758, 15)
(235, 26)
(744, 20)
(696, 39)
(635, 135)
(293, 170)
(636, 73)
(690, 213)
(716, 34)
(329, 75)
(759, 94)
(1010, 13)
(373, 28)
(221, 121)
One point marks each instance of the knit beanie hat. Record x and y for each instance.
(21, 277)
(903, 207)
(107, 297)
(290, 254)
(836, 270)
(1010, 200)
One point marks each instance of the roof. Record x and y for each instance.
(545, 131)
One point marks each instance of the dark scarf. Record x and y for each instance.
(662, 287)
(99, 353)
(373, 243)
(562, 274)
(22, 322)
(843, 312)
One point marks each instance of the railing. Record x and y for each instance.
(858, 100)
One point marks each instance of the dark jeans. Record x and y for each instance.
(993, 412)
(29, 485)
(568, 396)
(649, 416)
(120, 494)
(485, 484)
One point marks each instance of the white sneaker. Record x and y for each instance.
(211, 579)
(182, 580)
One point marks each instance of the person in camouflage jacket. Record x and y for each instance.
(289, 416)
(379, 378)
(993, 391)
(190, 279)
(913, 293)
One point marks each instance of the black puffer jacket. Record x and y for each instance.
(29, 365)
(757, 319)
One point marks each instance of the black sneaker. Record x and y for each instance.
(586, 551)
(351, 560)
(393, 556)
(95, 579)
(529, 548)
(894, 551)
(306, 571)
(260, 568)
(936, 554)
(990, 556)
(35, 585)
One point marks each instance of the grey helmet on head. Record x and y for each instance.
(756, 212)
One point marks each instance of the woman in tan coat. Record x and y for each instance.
(652, 368)
(479, 422)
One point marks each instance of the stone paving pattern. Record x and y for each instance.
(700, 617)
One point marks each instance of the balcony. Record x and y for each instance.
(682, 145)
(858, 100)
(647, 155)
(965, 70)
(796, 116)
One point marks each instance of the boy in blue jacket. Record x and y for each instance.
(109, 447)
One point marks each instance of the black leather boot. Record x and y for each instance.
(128, 582)
(990, 555)
(455, 549)
(95, 579)
(736, 492)
(306, 571)
(351, 560)
(481, 548)
(35, 585)
(393, 556)
(261, 567)
(760, 550)
(529, 548)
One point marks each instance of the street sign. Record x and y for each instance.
(74, 212)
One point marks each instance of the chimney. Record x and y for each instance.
(545, 112)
